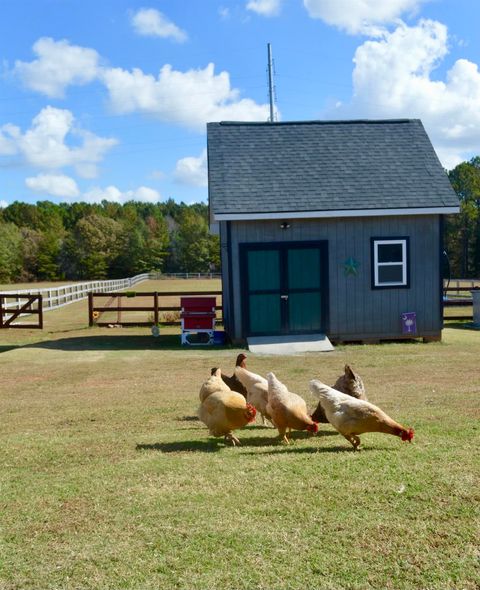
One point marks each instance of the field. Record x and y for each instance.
(109, 481)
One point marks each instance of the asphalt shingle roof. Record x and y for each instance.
(324, 166)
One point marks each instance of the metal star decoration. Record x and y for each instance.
(351, 267)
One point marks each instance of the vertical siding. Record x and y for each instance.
(355, 309)
(227, 312)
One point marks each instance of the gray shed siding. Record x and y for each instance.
(356, 311)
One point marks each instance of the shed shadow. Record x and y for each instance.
(116, 342)
(6, 348)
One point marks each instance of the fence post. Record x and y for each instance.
(40, 311)
(155, 311)
(90, 308)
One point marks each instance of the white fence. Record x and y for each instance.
(58, 296)
(189, 275)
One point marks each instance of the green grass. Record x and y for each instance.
(40, 285)
(108, 480)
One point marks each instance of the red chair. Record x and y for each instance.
(198, 317)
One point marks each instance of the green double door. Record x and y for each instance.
(284, 288)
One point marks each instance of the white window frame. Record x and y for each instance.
(404, 262)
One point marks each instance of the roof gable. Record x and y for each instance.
(258, 168)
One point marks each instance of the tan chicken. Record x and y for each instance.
(233, 381)
(352, 417)
(257, 390)
(288, 410)
(350, 383)
(215, 383)
(223, 410)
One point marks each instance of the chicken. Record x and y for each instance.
(350, 383)
(288, 410)
(257, 390)
(233, 381)
(215, 383)
(223, 410)
(352, 417)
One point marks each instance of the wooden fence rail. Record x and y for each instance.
(116, 304)
(24, 305)
(54, 297)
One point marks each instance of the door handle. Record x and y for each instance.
(284, 297)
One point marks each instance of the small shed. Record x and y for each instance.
(329, 227)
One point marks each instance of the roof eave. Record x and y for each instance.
(326, 214)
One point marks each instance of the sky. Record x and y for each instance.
(109, 99)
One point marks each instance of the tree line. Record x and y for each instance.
(462, 231)
(81, 241)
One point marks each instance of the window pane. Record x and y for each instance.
(390, 274)
(390, 252)
(263, 270)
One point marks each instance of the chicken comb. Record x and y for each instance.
(408, 435)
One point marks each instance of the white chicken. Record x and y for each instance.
(351, 416)
(257, 390)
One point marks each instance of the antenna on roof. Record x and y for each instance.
(271, 88)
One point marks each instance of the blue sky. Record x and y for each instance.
(108, 99)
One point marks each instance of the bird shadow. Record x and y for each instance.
(283, 448)
(214, 445)
(187, 446)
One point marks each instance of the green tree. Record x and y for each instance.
(31, 240)
(462, 231)
(192, 243)
(92, 247)
(10, 253)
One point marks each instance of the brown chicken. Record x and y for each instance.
(350, 383)
(233, 382)
(288, 410)
(352, 417)
(223, 410)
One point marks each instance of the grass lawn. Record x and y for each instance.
(40, 285)
(108, 480)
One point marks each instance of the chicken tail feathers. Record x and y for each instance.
(319, 389)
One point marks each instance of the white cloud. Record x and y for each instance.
(44, 145)
(157, 174)
(393, 78)
(56, 185)
(112, 193)
(152, 23)
(186, 98)
(59, 64)
(265, 7)
(224, 12)
(8, 139)
(361, 16)
(3, 204)
(192, 171)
